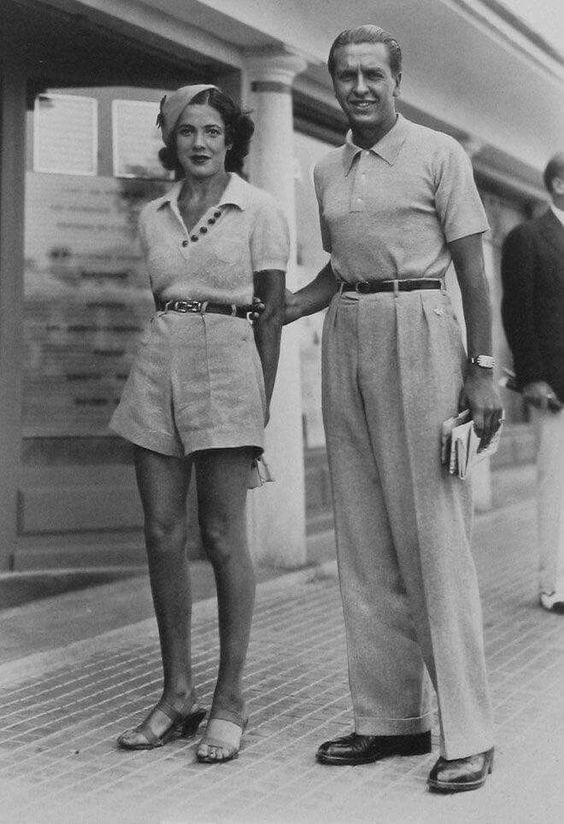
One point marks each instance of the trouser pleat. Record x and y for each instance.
(392, 372)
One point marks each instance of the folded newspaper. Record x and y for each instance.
(460, 445)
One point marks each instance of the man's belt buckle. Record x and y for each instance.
(187, 306)
(361, 286)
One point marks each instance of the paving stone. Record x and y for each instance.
(61, 713)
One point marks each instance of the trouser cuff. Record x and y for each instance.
(366, 725)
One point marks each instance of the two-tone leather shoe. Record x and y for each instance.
(354, 749)
(460, 774)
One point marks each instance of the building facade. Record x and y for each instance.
(80, 82)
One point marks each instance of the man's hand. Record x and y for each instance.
(480, 396)
(540, 394)
(311, 298)
(292, 309)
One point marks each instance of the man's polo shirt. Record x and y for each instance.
(389, 211)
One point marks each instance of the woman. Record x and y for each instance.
(198, 396)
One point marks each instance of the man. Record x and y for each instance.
(397, 202)
(532, 271)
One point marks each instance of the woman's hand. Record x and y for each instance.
(257, 308)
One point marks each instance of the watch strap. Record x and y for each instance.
(485, 361)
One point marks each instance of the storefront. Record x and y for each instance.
(79, 89)
(78, 124)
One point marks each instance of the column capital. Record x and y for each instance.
(268, 71)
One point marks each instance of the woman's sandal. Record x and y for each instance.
(222, 734)
(180, 724)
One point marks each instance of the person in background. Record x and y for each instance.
(397, 204)
(197, 398)
(532, 272)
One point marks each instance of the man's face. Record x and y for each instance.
(558, 189)
(365, 88)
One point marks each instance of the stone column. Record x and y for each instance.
(12, 186)
(277, 510)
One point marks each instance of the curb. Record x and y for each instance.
(41, 663)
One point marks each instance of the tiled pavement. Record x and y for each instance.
(60, 712)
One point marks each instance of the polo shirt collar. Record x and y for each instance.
(558, 213)
(388, 147)
(235, 193)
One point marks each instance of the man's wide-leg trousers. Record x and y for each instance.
(392, 373)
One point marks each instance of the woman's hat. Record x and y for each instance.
(172, 106)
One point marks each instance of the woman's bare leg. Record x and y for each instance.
(222, 478)
(163, 485)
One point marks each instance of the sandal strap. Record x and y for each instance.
(175, 717)
(223, 734)
(149, 735)
(232, 716)
(168, 710)
(226, 737)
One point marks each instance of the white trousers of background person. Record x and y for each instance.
(549, 433)
(392, 373)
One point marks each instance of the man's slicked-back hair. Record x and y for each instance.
(554, 168)
(367, 34)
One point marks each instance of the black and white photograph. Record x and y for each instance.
(281, 411)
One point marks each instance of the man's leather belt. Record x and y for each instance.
(407, 285)
(201, 306)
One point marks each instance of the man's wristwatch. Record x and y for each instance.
(485, 361)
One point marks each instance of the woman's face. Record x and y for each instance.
(200, 141)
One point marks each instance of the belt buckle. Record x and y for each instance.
(358, 287)
(187, 306)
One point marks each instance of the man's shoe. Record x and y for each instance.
(461, 774)
(364, 749)
(553, 602)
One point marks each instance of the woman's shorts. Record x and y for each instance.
(196, 383)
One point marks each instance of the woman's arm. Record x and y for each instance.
(269, 287)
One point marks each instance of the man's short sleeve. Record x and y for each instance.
(142, 229)
(457, 200)
(270, 237)
(325, 234)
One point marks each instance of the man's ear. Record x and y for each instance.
(397, 90)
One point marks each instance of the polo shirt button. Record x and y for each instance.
(185, 243)
(211, 221)
(193, 238)
(217, 213)
(203, 230)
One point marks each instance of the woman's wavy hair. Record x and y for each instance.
(239, 129)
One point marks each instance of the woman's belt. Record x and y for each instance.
(201, 306)
(406, 285)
